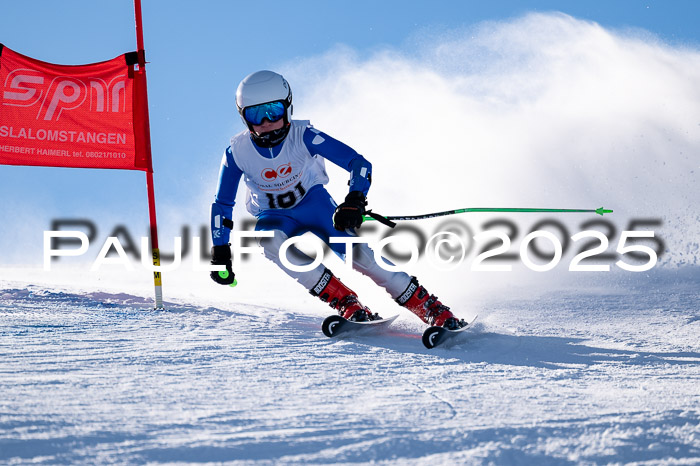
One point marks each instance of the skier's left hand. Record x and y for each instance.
(350, 213)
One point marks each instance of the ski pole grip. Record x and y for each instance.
(380, 219)
(224, 274)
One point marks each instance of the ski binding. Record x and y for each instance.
(336, 325)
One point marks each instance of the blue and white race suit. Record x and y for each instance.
(286, 194)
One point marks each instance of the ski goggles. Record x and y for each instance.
(272, 111)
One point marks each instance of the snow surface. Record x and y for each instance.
(597, 375)
(559, 368)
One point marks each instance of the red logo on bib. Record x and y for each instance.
(283, 171)
(268, 174)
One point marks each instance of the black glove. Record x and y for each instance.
(350, 213)
(221, 255)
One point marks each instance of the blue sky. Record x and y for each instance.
(199, 51)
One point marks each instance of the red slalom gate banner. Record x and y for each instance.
(84, 116)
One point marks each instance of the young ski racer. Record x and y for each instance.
(283, 164)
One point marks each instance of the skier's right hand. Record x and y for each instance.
(350, 213)
(221, 255)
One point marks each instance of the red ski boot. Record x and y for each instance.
(427, 306)
(338, 296)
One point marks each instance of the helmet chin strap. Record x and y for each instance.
(270, 138)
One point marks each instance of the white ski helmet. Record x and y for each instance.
(265, 95)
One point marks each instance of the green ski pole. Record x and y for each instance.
(388, 220)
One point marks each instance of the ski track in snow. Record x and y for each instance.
(566, 378)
